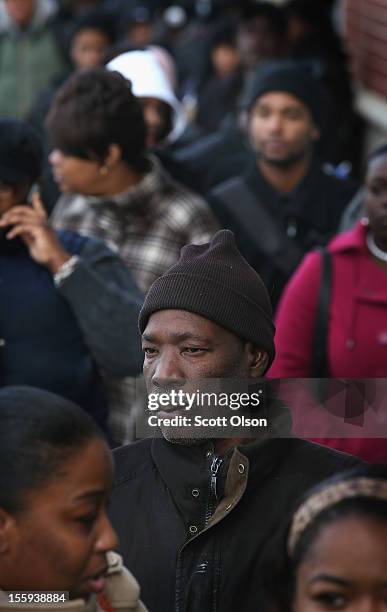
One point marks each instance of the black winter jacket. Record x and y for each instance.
(193, 527)
(297, 222)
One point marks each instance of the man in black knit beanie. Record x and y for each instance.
(195, 516)
(214, 281)
(282, 203)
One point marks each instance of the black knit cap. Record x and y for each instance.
(289, 77)
(214, 280)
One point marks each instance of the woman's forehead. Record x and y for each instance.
(86, 474)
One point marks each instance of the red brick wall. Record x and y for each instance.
(366, 39)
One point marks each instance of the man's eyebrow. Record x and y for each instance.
(177, 337)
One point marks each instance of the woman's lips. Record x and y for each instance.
(97, 584)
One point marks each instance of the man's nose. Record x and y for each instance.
(168, 373)
(275, 123)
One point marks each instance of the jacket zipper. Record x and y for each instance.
(215, 465)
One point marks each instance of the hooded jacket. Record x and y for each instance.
(149, 80)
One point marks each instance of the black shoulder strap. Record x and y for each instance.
(256, 224)
(319, 363)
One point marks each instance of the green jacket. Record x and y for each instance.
(29, 59)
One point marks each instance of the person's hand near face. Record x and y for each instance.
(30, 223)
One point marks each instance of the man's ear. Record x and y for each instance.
(257, 360)
(7, 525)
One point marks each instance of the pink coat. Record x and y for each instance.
(357, 329)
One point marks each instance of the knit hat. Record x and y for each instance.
(288, 77)
(214, 280)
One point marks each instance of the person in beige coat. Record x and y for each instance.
(55, 535)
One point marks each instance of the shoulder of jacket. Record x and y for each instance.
(73, 242)
(236, 183)
(132, 459)
(342, 186)
(177, 196)
(94, 247)
(319, 456)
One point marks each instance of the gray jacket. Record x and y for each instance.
(106, 302)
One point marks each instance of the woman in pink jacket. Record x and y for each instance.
(356, 342)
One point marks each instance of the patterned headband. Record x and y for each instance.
(356, 487)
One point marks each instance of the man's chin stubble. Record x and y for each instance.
(185, 441)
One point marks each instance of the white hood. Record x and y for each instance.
(149, 81)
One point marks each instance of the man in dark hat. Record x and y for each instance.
(195, 511)
(285, 203)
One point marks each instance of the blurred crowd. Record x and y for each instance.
(130, 129)
(183, 193)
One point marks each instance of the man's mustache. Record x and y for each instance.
(167, 390)
(155, 388)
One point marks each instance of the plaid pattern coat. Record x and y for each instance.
(147, 225)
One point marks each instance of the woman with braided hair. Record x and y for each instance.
(333, 554)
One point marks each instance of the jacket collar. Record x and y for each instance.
(354, 240)
(297, 199)
(185, 468)
(264, 456)
(152, 181)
